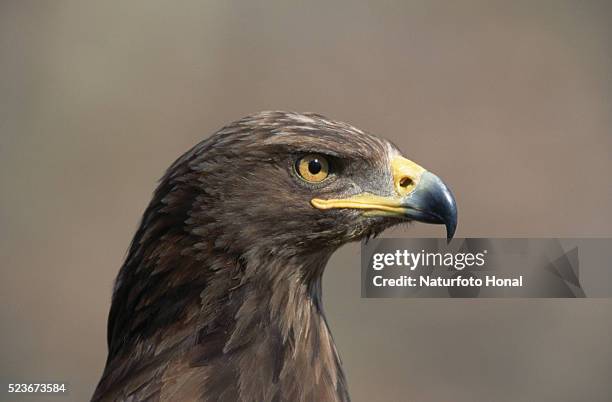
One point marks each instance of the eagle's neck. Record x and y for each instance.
(279, 343)
(249, 327)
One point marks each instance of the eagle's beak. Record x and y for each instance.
(418, 195)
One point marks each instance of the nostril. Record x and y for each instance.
(405, 182)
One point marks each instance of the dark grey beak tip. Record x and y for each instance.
(451, 226)
(447, 211)
(433, 202)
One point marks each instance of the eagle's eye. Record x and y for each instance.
(312, 168)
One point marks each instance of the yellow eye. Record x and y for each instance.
(313, 168)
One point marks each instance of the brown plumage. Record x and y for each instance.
(219, 298)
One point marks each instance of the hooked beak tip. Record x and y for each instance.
(433, 202)
(450, 230)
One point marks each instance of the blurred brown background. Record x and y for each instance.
(509, 102)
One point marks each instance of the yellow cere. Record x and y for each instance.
(406, 175)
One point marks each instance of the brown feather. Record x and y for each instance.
(219, 298)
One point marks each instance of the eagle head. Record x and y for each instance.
(295, 183)
(221, 284)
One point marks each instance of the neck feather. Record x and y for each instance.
(257, 318)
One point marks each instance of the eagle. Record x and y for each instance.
(219, 296)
